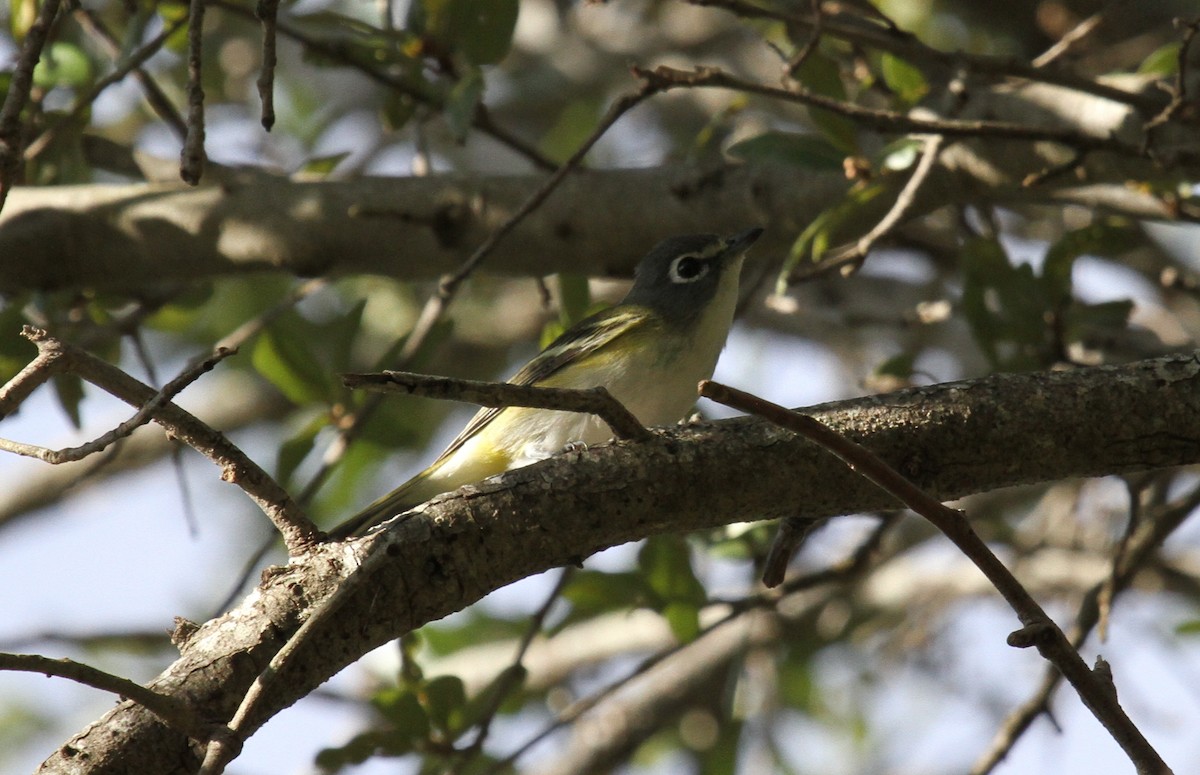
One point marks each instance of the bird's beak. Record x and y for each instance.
(740, 242)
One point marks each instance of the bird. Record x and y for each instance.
(649, 351)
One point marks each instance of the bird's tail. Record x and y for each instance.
(398, 501)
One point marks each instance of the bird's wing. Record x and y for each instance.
(586, 338)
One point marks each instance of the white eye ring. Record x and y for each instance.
(688, 269)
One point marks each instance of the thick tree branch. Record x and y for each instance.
(1097, 692)
(408, 228)
(951, 439)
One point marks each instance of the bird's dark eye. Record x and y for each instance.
(686, 269)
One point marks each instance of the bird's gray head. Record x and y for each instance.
(681, 275)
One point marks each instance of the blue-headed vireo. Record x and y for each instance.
(649, 351)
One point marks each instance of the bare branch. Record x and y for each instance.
(297, 530)
(482, 120)
(437, 303)
(18, 94)
(850, 257)
(1073, 36)
(486, 535)
(266, 11)
(666, 78)
(597, 400)
(909, 47)
(170, 709)
(1037, 629)
(154, 94)
(1134, 554)
(143, 415)
(192, 157)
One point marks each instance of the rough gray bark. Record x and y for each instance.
(952, 439)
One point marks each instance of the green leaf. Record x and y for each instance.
(904, 79)
(984, 261)
(900, 154)
(574, 298)
(823, 76)
(1164, 60)
(509, 681)
(21, 16)
(484, 29)
(1102, 238)
(15, 350)
(897, 366)
(591, 593)
(801, 150)
(397, 109)
(443, 639)
(683, 619)
(1006, 308)
(340, 334)
(444, 699)
(69, 390)
(462, 102)
(62, 64)
(404, 711)
(293, 451)
(666, 566)
(283, 356)
(480, 30)
(575, 123)
(1103, 320)
(1190, 627)
(321, 166)
(408, 726)
(832, 226)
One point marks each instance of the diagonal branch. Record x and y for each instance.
(546, 515)
(55, 355)
(170, 709)
(1038, 629)
(17, 95)
(665, 78)
(597, 400)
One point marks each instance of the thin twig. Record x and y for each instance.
(857, 563)
(1178, 89)
(797, 60)
(596, 400)
(513, 676)
(481, 121)
(192, 156)
(791, 534)
(1140, 548)
(1053, 171)
(909, 47)
(297, 530)
(267, 11)
(850, 257)
(19, 86)
(438, 302)
(133, 65)
(170, 709)
(143, 415)
(1073, 36)
(1108, 588)
(1037, 629)
(664, 78)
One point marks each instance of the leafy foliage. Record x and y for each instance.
(495, 87)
